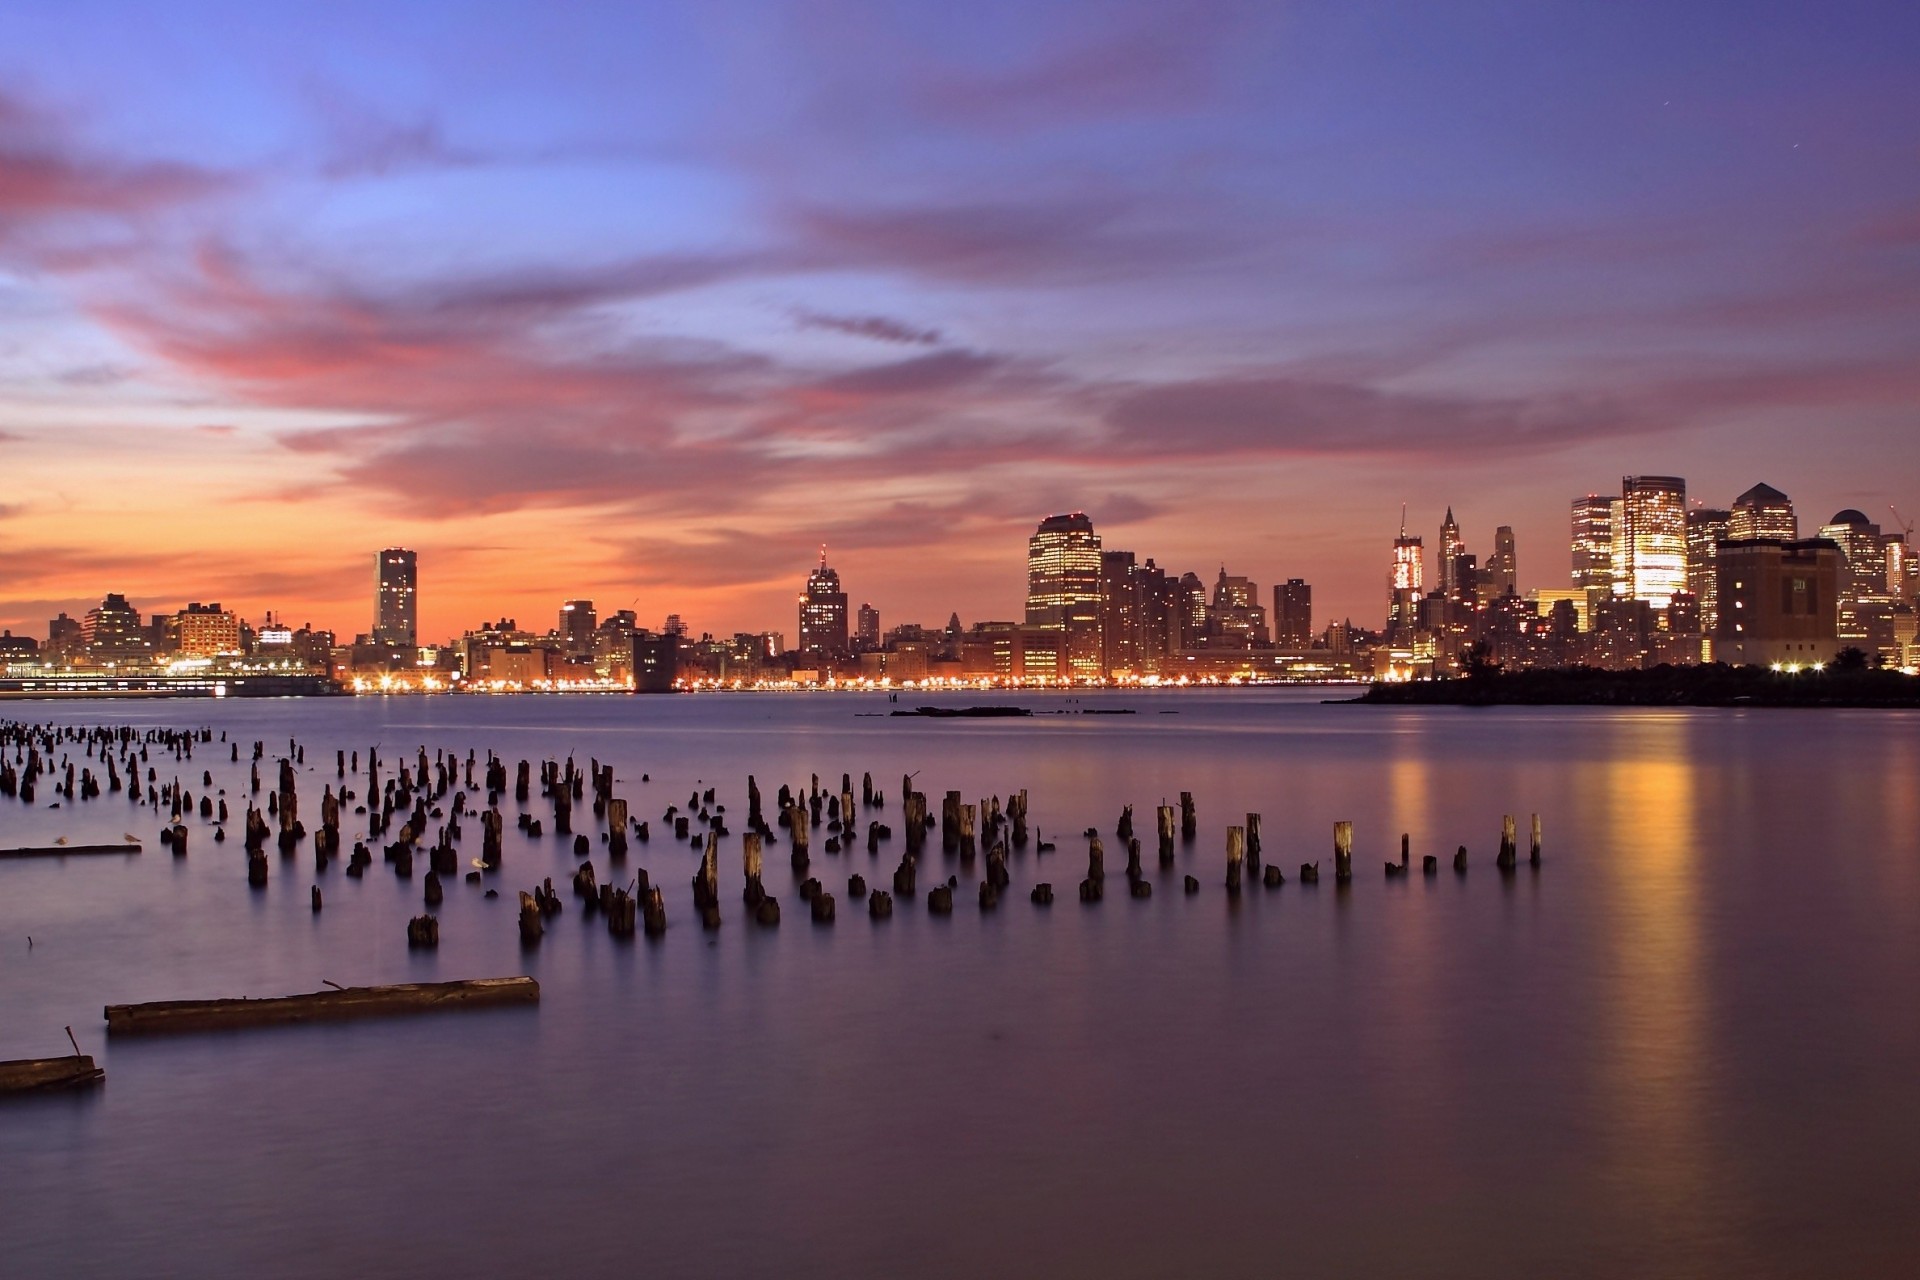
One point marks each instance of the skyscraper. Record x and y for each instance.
(1406, 585)
(395, 603)
(111, 630)
(1763, 512)
(1293, 615)
(866, 636)
(1593, 548)
(823, 613)
(1865, 606)
(1119, 611)
(1063, 588)
(1503, 566)
(1707, 528)
(1653, 550)
(1451, 548)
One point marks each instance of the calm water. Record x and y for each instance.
(1688, 1045)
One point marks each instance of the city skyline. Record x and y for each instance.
(617, 328)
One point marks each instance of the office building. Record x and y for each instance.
(1593, 547)
(1866, 606)
(1707, 528)
(1119, 611)
(866, 635)
(1406, 585)
(1502, 576)
(111, 631)
(1779, 602)
(656, 661)
(823, 614)
(1063, 588)
(395, 599)
(1650, 540)
(578, 623)
(1293, 615)
(1763, 512)
(1451, 547)
(207, 631)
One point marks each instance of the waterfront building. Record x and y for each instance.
(1158, 634)
(1763, 512)
(866, 637)
(207, 631)
(1236, 619)
(1651, 540)
(1063, 588)
(395, 598)
(578, 623)
(1293, 615)
(1779, 602)
(656, 660)
(111, 631)
(823, 614)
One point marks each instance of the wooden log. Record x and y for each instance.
(46, 1075)
(1163, 824)
(1533, 843)
(76, 850)
(1189, 820)
(1342, 852)
(1509, 846)
(167, 1016)
(1236, 854)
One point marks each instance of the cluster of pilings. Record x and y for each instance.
(427, 796)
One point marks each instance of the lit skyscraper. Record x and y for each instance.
(1651, 547)
(1063, 588)
(823, 613)
(867, 630)
(1707, 528)
(395, 598)
(1593, 547)
(1763, 512)
(1119, 611)
(1864, 600)
(1451, 548)
(1407, 584)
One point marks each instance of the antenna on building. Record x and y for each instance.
(1403, 519)
(823, 555)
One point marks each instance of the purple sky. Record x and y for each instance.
(644, 302)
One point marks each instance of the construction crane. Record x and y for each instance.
(1905, 524)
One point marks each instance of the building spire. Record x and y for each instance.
(823, 555)
(1403, 519)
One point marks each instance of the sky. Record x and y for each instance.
(644, 303)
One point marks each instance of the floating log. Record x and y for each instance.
(63, 850)
(46, 1075)
(166, 1016)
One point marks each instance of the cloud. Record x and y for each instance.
(878, 328)
(45, 174)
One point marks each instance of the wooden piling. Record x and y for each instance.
(1236, 854)
(1342, 852)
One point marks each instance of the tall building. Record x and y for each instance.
(1707, 528)
(1063, 588)
(1763, 512)
(1158, 635)
(1651, 542)
(1451, 548)
(395, 598)
(656, 661)
(866, 635)
(1406, 585)
(1866, 607)
(823, 613)
(1293, 615)
(1119, 611)
(1190, 595)
(1779, 602)
(1502, 571)
(111, 630)
(578, 622)
(1593, 548)
(207, 631)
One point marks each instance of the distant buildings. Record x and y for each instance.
(1406, 584)
(395, 600)
(111, 632)
(867, 632)
(1293, 615)
(1593, 546)
(578, 625)
(206, 631)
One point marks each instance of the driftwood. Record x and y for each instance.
(166, 1016)
(62, 850)
(44, 1075)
